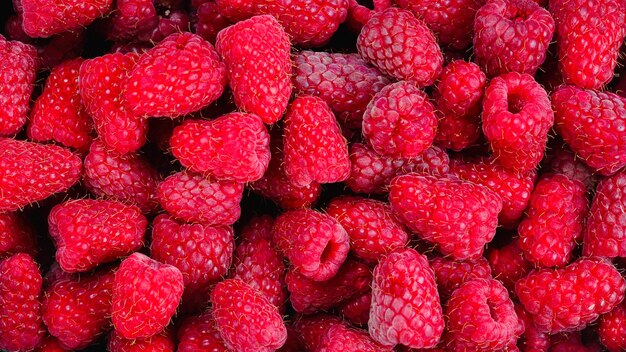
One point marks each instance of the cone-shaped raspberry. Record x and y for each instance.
(17, 72)
(43, 18)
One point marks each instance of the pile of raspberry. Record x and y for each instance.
(312, 175)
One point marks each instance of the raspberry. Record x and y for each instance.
(50, 344)
(401, 46)
(572, 342)
(372, 229)
(314, 148)
(128, 178)
(315, 243)
(344, 81)
(481, 317)
(199, 333)
(460, 217)
(162, 342)
(259, 227)
(457, 99)
(101, 81)
(532, 339)
(90, 232)
(508, 264)
(58, 114)
(612, 329)
(145, 296)
(312, 328)
(18, 71)
(308, 296)
(569, 298)
(191, 197)
(16, 235)
(256, 53)
(170, 22)
(232, 147)
(517, 117)
(43, 18)
(246, 320)
(399, 121)
(588, 36)
(209, 21)
(340, 338)
(405, 303)
(565, 162)
(357, 309)
(512, 36)
(451, 274)
(132, 18)
(76, 310)
(50, 170)
(199, 77)
(591, 123)
(20, 291)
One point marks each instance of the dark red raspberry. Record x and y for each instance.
(161, 342)
(508, 264)
(357, 309)
(198, 333)
(50, 344)
(565, 162)
(451, 274)
(43, 18)
(132, 18)
(208, 21)
(16, 235)
(573, 342)
(258, 227)
(612, 329)
(532, 340)
(313, 327)
(340, 338)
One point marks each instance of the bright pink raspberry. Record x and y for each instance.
(612, 329)
(356, 310)
(232, 147)
(161, 342)
(508, 264)
(199, 333)
(208, 21)
(312, 328)
(517, 117)
(16, 235)
(451, 274)
(341, 338)
(315, 243)
(43, 18)
(17, 71)
(565, 162)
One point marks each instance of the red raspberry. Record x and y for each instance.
(258, 65)
(373, 230)
(208, 21)
(145, 296)
(16, 235)
(246, 320)
(460, 217)
(481, 317)
(198, 77)
(101, 81)
(312, 328)
(259, 227)
(308, 296)
(569, 298)
(591, 123)
(517, 117)
(50, 170)
(58, 114)
(43, 18)
(232, 147)
(344, 81)
(508, 264)
(191, 197)
(50, 344)
(451, 274)
(132, 18)
(20, 316)
(161, 342)
(514, 188)
(17, 72)
(90, 232)
(128, 178)
(372, 173)
(612, 329)
(401, 46)
(588, 36)
(512, 36)
(314, 148)
(532, 340)
(199, 333)
(567, 163)
(400, 121)
(340, 338)
(457, 99)
(357, 309)
(572, 342)
(77, 309)
(405, 303)
(315, 243)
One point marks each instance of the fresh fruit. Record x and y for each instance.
(43, 18)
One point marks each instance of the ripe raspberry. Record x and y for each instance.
(20, 316)
(16, 235)
(128, 178)
(17, 72)
(512, 36)
(232, 147)
(246, 320)
(50, 344)
(372, 173)
(405, 303)
(101, 81)
(517, 117)
(313, 327)
(50, 170)
(588, 36)
(508, 264)
(566, 163)
(400, 121)
(514, 188)
(193, 198)
(132, 18)
(315, 243)
(612, 329)
(356, 310)
(161, 342)
(76, 310)
(145, 296)
(259, 227)
(43, 18)
(569, 298)
(373, 230)
(58, 114)
(401, 46)
(90, 232)
(314, 148)
(308, 296)
(340, 338)
(170, 22)
(208, 21)
(344, 81)
(256, 53)
(199, 333)
(572, 342)
(481, 317)
(457, 99)
(532, 339)
(451, 274)
(199, 77)
(591, 123)
(459, 216)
